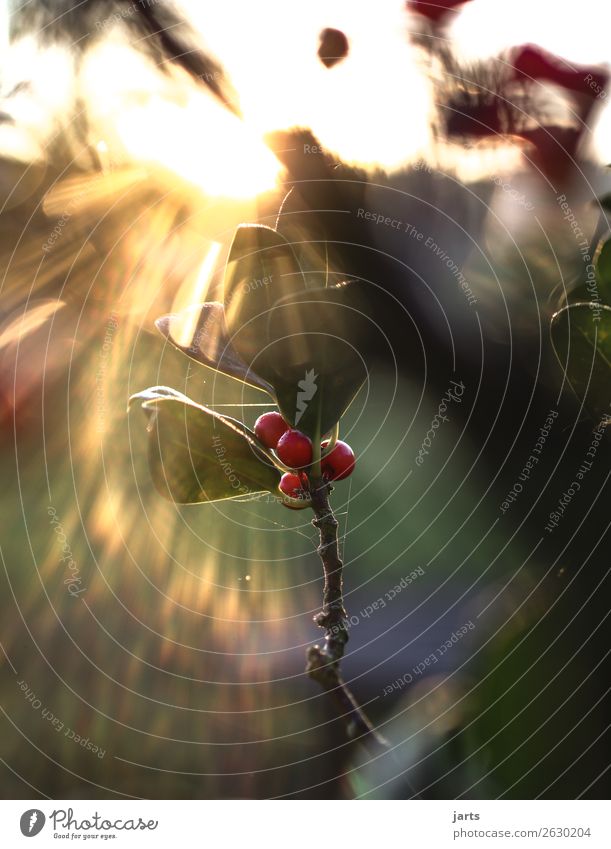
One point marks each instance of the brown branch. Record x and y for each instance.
(323, 663)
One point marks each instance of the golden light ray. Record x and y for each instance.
(28, 321)
(352, 109)
(202, 144)
(194, 292)
(37, 109)
(89, 196)
(144, 116)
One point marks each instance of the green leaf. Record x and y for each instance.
(261, 268)
(196, 455)
(588, 286)
(321, 341)
(311, 251)
(200, 333)
(581, 335)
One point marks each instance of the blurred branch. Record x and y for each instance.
(159, 27)
(181, 46)
(323, 664)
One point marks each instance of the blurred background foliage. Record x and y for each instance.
(183, 656)
(179, 653)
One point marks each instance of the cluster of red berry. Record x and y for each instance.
(294, 449)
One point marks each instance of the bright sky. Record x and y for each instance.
(577, 31)
(355, 109)
(3, 23)
(372, 109)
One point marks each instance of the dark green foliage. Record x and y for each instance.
(303, 346)
(581, 335)
(197, 455)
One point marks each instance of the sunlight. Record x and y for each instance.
(200, 143)
(190, 293)
(354, 109)
(28, 321)
(36, 109)
(164, 120)
(486, 27)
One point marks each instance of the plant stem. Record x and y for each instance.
(323, 663)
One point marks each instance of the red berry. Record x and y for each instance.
(291, 485)
(294, 449)
(340, 462)
(269, 428)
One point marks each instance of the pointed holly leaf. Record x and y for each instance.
(581, 335)
(200, 333)
(197, 455)
(310, 249)
(321, 340)
(261, 269)
(154, 393)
